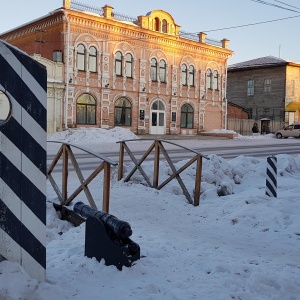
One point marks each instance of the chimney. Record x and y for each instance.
(108, 11)
(202, 37)
(225, 43)
(67, 4)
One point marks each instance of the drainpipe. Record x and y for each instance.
(225, 92)
(67, 57)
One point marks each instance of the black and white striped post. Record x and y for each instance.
(23, 150)
(271, 180)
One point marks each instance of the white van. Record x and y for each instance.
(292, 130)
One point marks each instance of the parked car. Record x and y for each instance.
(292, 130)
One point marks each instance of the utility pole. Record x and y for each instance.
(40, 40)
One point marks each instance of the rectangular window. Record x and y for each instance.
(161, 121)
(57, 56)
(118, 68)
(80, 62)
(153, 73)
(128, 69)
(93, 64)
(123, 116)
(162, 75)
(267, 85)
(250, 88)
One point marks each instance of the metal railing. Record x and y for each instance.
(158, 148)
(65, 152)
(79, 6)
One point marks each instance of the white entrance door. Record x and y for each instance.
(291, 117)
(158, 118)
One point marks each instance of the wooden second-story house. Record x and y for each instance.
(268, 88)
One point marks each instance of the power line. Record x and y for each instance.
(286, 4)
(251, 24)
(275, 5)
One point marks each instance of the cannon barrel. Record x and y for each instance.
(120, 228)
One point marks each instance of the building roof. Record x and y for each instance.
(267, 61)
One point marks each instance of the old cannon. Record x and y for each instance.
(106, 236)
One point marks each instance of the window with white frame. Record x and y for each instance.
(153, 69)
(122, 112)
(128, 66)
(162, 71)
(191, 75)
(93, 59)
(187, 116)
(118, 64)
(215, 80)
(81, 57)
(208, 79)
(86, 109)
(184, 75)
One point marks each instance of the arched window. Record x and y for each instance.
(215, 84)
(80, 57)
(118, 64)
(153, 71)
(191, 76)
(158, 105)
(122, 112)
(208, 79)
(164, 26)
(86, 110)
(128, 68)
(156, 24)
(162, 71)
(158, 113)
(187, 116)
(93, 59)
(184, 74)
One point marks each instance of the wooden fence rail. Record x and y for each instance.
(158, 148)
(66, 153)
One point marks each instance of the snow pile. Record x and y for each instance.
(92, 135)
(238, 244)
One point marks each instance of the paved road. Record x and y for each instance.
(227, 149)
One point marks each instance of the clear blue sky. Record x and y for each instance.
(277, 38)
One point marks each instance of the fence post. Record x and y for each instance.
(198, 181)
(106, 187)
(156, 164)
(65, 174)
(121, 161)
(271, 180)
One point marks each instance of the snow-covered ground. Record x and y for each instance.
(244, 245)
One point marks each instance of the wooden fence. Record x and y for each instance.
(65, 152)
(244, 126)
(158, 147)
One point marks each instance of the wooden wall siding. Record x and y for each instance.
(261, 102)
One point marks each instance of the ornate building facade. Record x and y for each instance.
(144, 74)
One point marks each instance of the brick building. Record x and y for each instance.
(142, 73)
(268, 88)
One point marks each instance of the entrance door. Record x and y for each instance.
(291, 118)
(158, 118)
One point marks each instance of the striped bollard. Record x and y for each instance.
(271, 180)
(23, 153)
